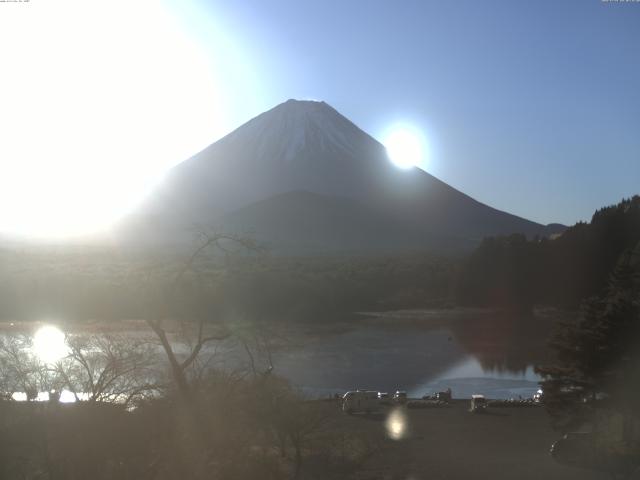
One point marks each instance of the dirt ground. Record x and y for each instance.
(451, 443)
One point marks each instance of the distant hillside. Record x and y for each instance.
(304, 178)
(309, 223)
(511, 271)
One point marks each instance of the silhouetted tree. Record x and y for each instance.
(196, 323)
(502, 272)
(514, 272)
(597, 352)
(109, 368)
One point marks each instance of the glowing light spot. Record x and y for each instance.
(19, 396)
(396, 425)
(49, 344)
(405, 147)
(67, 397)
(98, 100)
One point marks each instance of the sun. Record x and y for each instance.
(405, 147)
(98, 100)
(49, 344)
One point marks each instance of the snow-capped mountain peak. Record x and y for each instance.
(304, 171)
(296, 125)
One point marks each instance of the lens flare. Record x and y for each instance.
(396, 425)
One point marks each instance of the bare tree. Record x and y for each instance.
(298, 420)
(109, 368)
(257, 340)
(20, 369)
(200, 329)
(97, 368)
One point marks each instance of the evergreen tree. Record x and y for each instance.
(513, 272)
(597, 357)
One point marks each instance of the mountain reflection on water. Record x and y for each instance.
(422, 352)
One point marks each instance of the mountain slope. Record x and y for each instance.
(304, 146)
(302, 222)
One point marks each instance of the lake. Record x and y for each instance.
(419, 351)
(488, 353)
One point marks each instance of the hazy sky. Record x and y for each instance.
(530, 106)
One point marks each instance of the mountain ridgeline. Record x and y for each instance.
(303, 179)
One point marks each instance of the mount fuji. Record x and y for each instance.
(302, 178)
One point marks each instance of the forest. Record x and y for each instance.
(98, 284)
(512, 272)
(518, 273)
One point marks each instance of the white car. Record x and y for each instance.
(360, 401)
(538, 396)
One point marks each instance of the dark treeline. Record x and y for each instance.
(597, 351)
(593, 384)
(517, 273)
(312, 288)
(98, 284)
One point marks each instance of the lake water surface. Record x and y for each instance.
(423, 352)
(471, 352)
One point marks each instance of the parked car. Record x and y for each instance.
(384, 398)
(360, 401)
(400, 396)
(538, 396)
(478, 404)
(444, 396)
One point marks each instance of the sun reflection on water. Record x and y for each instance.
(49, 344)
(66, 396)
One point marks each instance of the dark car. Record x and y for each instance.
(400, 396)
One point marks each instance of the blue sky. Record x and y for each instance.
(530, 106)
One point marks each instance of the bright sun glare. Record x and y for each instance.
(98, 100)
(405, 147)
(49, 344)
